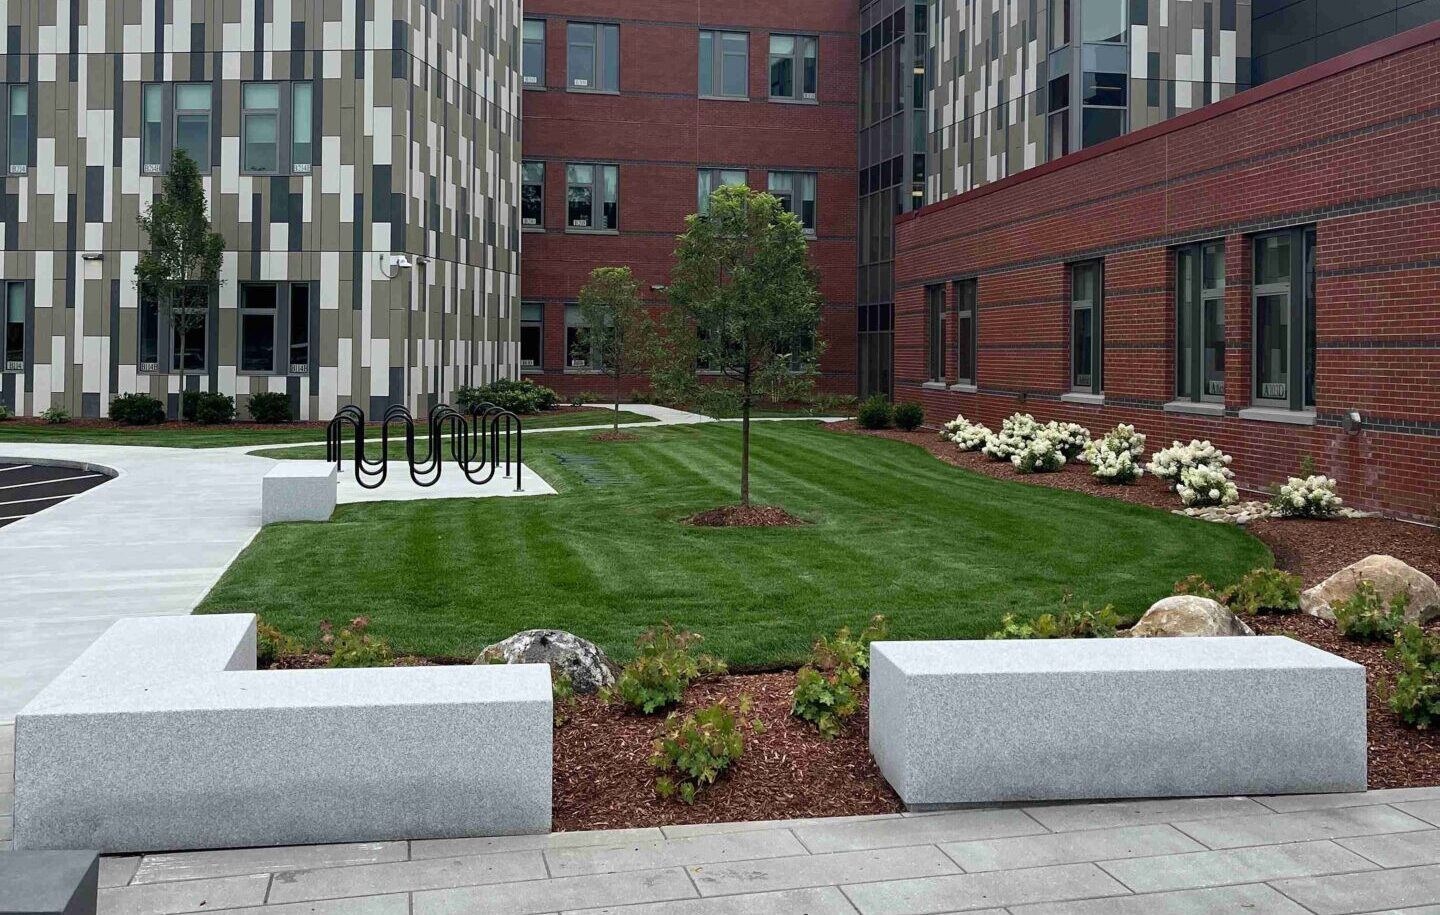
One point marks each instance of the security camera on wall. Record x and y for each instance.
(399, 262)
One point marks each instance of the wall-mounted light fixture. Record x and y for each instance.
(92, 256)
(395, 263)
(1353, 422)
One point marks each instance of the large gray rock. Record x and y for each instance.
(1188, 615)
(1389, 575)
(583, 661)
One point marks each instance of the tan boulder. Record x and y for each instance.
(1188, 615)
(1389, 575)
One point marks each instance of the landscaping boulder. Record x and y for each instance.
(583, 661)
(1389, 575)
(1188, 615)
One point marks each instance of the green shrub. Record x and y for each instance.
(522, 396)
(663, 668)
(581, 398)
(137, 410)
(352, 646)
(209, 408)
(825, 687)
(56, 416)
(562, 690)
(6, 413)
(1416, 696)
(875, 413)
(270, 407)
(909, 416)
(845, 648)
(1365, 616)
(271, 645)
(1265, 591)
(694, 751)
(1064, 624)
(1197, 586)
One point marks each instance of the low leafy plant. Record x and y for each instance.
(1367, 617)
(353, 646)
(270, 407)
(56, 416)
(845, 648)
(663, 668)
(522, 396)
(909, 416)
(563, 695)
(1067, 623)
(137, 410)
(1198, 586)
(214, 409)
(271, 645)
(1416, 695)
(825, 698)
(695, 750)
(581, 398)
(1265, 591)
(6, 413)
(1311, 496)
(875, 413)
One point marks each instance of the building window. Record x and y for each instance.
(299, 328)
(712, 179)
(1284, 319)
(14, 315)
(532, 335)
(724, 64)
(1102, 20)
(1200, 322)
(149, 354)
(1087, 327)
(592, 197)
(302, 127)
(189, 349)
(532, 195)
(258, 327)
(593, 56)
(794, 67)
(152, 129)
(796, 191)
(192, 122)
(967, 330)
(580, 352)
(1059, 24)
(534, 52)
(935, 332)
(17, 129)
(260, 128)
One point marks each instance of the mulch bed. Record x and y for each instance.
(745, 516)
(613, 437)
(604, 780)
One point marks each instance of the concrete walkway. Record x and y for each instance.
(1328, 854)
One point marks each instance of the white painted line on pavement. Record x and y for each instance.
(88, 476)
(46, 499)
(16, 467)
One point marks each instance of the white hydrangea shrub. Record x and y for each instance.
(1113, 466)
(1016, 432)
(1070, 437)
(1170, 464)
(1308, 497)
(955, 425)
(971, 437)
(1122, 438)
(1042, 454)
(1204, 485)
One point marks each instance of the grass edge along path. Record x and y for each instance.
(942, 552)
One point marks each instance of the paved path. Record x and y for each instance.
(1327, 854)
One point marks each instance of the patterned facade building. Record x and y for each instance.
(339, 142)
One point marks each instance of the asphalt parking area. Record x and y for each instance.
(29, 488)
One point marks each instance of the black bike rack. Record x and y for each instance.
(473, 438)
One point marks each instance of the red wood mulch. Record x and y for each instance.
(745, 516)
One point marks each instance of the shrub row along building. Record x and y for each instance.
(1109, 213)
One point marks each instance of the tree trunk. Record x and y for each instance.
(615, 417)
(745, 452)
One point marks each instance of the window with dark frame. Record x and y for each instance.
(796, 191)
(935, 332)
(533, 54)
(1087, 327)
(1283, 319)
(794, 67)
(260, 128)
(302, 127)
(299, 343)
(13, 339)
(967, 331)
(724, 64)
(1200, 322)
(17, 129)
(712, 179)
(580, 352)
(592, 197)
(259, 327)
(532, 195)
(192, 122)
(149, 350)
(593, 56)
(532, 335)
(190, 343)
(152, 129)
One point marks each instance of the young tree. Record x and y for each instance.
(182, 264)
(619, 330)
(743, 278)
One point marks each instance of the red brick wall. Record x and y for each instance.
(1347, 146)
(661, 133)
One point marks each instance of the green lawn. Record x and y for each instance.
(943, 552)
(197, 436)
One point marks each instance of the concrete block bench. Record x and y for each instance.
(297, 491)
(992, 721)
(164, 736)
(49, 882)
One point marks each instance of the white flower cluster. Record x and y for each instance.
(1015, 435)
(1205, 485)
(1042, 454)
(948, 430)
(1122, 438)
(1070, 437)
(966, 435)
(1308, 497)
(1113, 466)
(1170, 464)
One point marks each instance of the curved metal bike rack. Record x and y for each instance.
(474, 444)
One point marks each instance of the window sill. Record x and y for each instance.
(571, 230)
(1279, 415)
(534, 230)
(935, 386)
(724, 98)
(965, 388)
(583, 90)
(1084, 399)
(783, 100)
(533, 87)
(1198, 408)
(532, 370)
(570, 371)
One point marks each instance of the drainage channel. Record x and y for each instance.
(26, 489)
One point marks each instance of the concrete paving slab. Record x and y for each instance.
(968, 892)
(185, 896)
(1070, 848)
(1429, 811)
(201, 864)
(1229, 900)
(393, 904)
(1405, 849)
(1290, 803)
(652, 855)
(1241, 865)
(406, 876)
(821, 870)
(824, 901)
(543, 896)
(948, 827)
(1234, 832)
(1064, 817)
(450, 848)
(1348, 894)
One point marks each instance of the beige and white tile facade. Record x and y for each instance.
(416, 151)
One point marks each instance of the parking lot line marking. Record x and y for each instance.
(88, 476)
(46, 499)
(16, 467)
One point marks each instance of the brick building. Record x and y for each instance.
(1263, 272)
(634, 110)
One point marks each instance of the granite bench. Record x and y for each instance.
(162, 735)
(297, 491)
(993, 721)
(49, 882)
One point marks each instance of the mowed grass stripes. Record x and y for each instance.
(942, 552)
